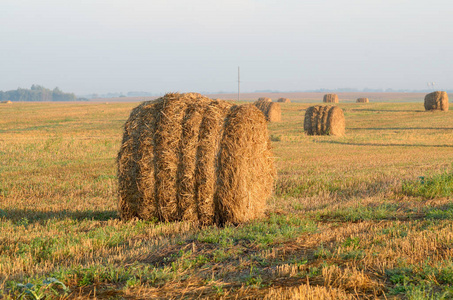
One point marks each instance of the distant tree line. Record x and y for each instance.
(37, 93)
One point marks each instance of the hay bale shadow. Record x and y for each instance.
(36, 216)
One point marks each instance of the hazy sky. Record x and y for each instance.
(88, 46)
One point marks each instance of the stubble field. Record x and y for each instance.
(368, 215)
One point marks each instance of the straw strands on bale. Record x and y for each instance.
(284, 100)
(436, 101)
(265, 99)
(187, 157)
(271, 110)
(324, 120)
(363, 100)
(330, 98)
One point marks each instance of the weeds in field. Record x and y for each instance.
(41, 290)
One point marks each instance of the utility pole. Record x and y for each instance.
(239, 83)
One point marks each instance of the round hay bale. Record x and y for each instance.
(271, 110)
(245, 164)
(330, 98)
(362, 100)
(436, 101)
(324, 120)
(284, 100)
(175, 161)
(265, 99)
(7, 102)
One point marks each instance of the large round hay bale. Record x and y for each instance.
(362, 100)
(265, 99)
(436, 101)
(176, 162)
(330, 98)
(271, 110)
(7, 102)
(324, 120)
(284, 100)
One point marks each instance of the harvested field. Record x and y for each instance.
(301, 97)
(367, 215)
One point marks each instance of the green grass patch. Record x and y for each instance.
(275, 229)
(430, 187)
(444, 212)
(422, 282)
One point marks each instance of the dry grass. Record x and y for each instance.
(307, 292)
(339, 225)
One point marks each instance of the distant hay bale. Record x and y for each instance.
(271, 110)
(362, 100)
(330, 98)
(187, 157)
(7, 102)
(324, 120)
(284, 100)
(436, 101)
(265, 99)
